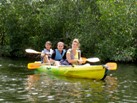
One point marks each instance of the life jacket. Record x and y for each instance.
(58, 55)
(49, 52)
(45, 51)
(76, 56)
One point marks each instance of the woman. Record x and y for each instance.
(73, 55)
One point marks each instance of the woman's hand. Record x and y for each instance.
(80, 61)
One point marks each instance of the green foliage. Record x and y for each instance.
(119, 21)
(105, 28)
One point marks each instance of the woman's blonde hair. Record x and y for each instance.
(76, 41)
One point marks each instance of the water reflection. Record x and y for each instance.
(52, 88)
(32, 80)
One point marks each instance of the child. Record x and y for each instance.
(47, 52)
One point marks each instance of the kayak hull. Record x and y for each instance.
(97, 72)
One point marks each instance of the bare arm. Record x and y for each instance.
(69, 58)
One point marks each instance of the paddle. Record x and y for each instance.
(93, 60)
(32, 51)
(109, 65)
(34, 65)
(37, 65)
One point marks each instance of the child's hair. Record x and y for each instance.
(48, 42)
(60, 43)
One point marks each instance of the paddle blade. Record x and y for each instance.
(33, 65)
(84, 60)
(111, 66)
(32, 51)
(93, 60)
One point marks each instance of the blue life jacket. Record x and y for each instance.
(59, 55)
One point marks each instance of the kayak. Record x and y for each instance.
(98, 72)
(76, 71)
(90, 72)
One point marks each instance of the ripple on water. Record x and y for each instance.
(49, 89)
(1, 100)
(35, 93)
(129, 101)
(50, 97)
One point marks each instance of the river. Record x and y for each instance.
(20, 85)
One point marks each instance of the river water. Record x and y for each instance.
(20, 85)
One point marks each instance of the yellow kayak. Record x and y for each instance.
(78, 71)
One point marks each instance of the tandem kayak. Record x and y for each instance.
(98, 72)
